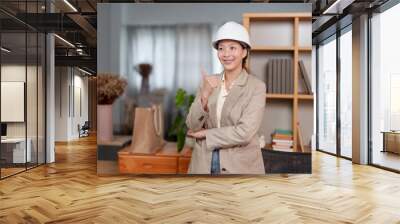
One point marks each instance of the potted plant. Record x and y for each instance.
(183, 101)
(109, 88)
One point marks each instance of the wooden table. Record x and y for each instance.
(166, 160)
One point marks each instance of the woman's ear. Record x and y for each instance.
(245, 52)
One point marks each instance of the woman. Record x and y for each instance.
(227, 111)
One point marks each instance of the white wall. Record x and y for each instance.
(68, 82)
(79, 117)
(61, 103)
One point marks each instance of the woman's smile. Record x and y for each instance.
(226, 61)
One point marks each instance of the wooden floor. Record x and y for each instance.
(5, 172)
(70, 192)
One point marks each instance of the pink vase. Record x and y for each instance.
(104, 123)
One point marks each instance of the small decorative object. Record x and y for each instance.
(144, 70)
(144, 98)
(109, 88)
(179, 129)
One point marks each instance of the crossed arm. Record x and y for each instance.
(229, 136)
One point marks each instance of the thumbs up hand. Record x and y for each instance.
(210, 82)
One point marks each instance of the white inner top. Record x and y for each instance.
(223, 93)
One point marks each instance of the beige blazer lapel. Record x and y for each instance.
(212, 104)
(234, 94)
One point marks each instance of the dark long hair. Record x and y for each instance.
(247, 48)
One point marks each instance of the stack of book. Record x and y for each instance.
(282, 140)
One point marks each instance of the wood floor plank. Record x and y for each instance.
(69, 191)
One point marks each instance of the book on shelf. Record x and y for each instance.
(283, 131)
(268, 77)
(278, 148)
(290, 74)
(273, 81)
(276, 76)
(304, 77)
(282, 137)
(284, 80)
(279, 76)
(282, 141)
(286, 75)
(270, 72)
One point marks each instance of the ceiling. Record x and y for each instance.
(76, 22)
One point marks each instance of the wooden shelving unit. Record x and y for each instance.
(278, 16)
(306, 49)
(271, 48)
(288, 26)
(279, 96)
(305, 97)
(289, 96)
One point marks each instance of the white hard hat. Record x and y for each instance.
(232, 31)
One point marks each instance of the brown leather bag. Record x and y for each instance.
(148, 130)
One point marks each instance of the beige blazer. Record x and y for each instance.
(237, 138)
